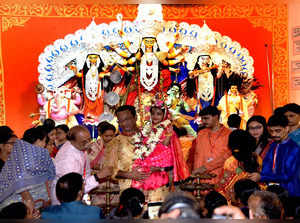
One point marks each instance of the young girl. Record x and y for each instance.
(159, 152)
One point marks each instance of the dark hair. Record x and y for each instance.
(269, 204)
(131, 203)
(213, 200)
(33, 134)
(68, 187)
(210, 110)
(151, 109)
(5, 134)
(188, 201)
(292, 107)
(283, 196)
(279, 111)
(278, 120)
(16, 210)
(49, 124)
(104, 126)
(129, 108)
(234, 121)
(244, 188)
(63, 127)
(265, 136)
(180, 131)
(242, 145)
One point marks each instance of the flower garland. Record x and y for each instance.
(146, 140)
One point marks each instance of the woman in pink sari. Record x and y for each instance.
(160, 151)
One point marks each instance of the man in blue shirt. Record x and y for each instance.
(282, 162)
(69, 191)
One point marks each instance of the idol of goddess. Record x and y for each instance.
(233, 103)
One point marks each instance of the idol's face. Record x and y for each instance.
(93, 58)
(149, 42)
(204, 60)
(234, 89)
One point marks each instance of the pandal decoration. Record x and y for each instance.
(148, 41)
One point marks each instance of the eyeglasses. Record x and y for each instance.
(255, 127)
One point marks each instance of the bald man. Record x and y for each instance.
(72, 158)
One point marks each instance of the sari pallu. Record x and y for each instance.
(28, 168)
(232, 173)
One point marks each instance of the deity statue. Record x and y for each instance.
(62, 104)
(233, 103)
(92, 86)
(225, 76)
(175, 104)
(201, 80)
(250, 97)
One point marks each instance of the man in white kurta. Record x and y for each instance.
(72, 157)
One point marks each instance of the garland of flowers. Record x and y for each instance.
(146, 140)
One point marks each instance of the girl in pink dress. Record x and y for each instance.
(160, 151)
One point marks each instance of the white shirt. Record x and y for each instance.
(68, 160)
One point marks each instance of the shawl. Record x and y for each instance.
(27, 166)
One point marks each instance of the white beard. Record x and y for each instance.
(92, 83)
(149, 74)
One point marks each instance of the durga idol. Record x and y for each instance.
(92, 86)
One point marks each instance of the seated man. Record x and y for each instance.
(69, 191)
(282, 162)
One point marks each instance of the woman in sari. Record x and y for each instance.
(98, 157)
(257, 127)
(7, 140)
(242, 162)
(162, 151)
(25, 175)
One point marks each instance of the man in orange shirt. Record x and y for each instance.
(210, 148)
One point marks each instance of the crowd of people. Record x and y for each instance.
(49, 172)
